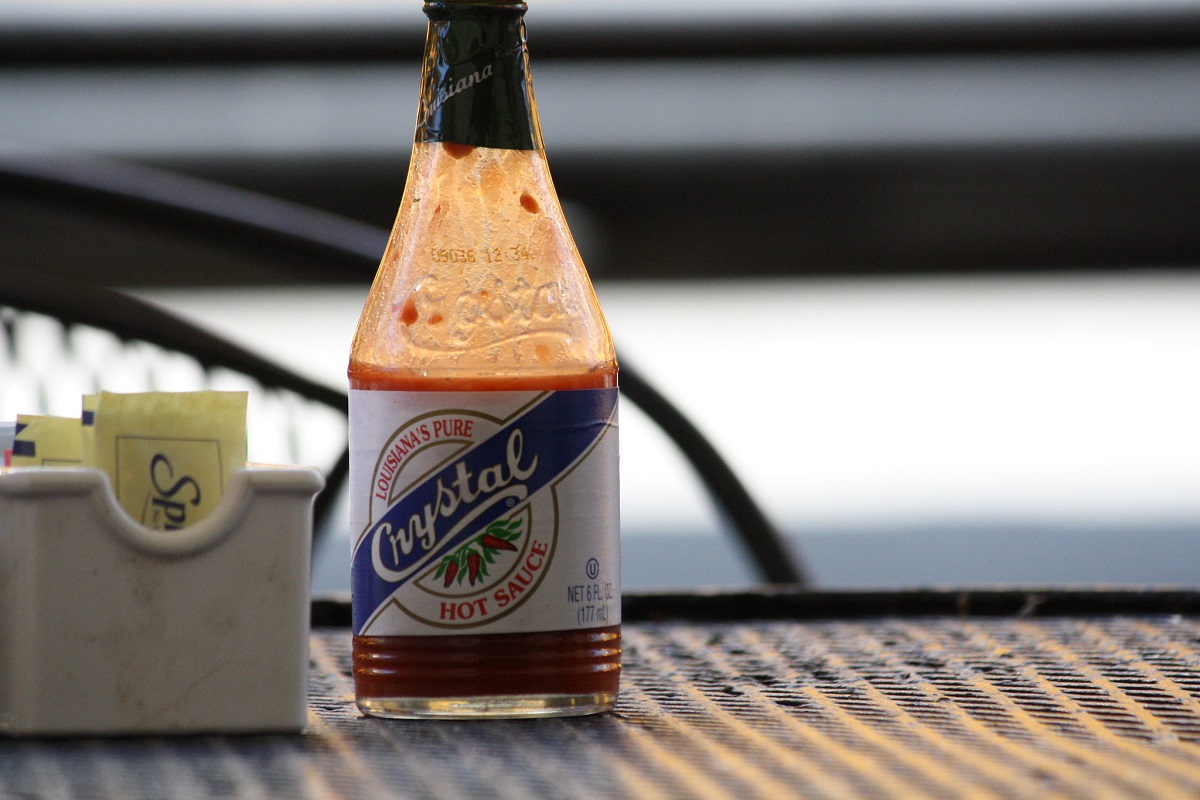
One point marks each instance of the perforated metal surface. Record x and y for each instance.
(940, 706)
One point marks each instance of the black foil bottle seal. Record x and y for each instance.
(475, 87)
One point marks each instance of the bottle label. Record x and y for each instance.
(484, 512)
(475, 86)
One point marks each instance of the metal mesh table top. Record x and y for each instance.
(929, 705)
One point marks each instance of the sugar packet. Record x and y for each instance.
(169, 455)
(46, 441)
(8, 432)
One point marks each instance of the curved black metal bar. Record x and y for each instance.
(189, 203)
(764, 542)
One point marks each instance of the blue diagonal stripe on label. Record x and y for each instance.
(461, 497)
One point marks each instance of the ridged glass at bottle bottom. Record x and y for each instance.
(547, 674)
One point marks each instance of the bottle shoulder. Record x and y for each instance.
(481, 274)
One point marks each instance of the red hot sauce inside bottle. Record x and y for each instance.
(483, 415)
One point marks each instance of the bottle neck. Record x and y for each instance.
(475, 83)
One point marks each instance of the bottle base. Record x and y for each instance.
(515, 706)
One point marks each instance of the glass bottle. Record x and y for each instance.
(483, 428)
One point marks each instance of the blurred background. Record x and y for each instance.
(924, 271)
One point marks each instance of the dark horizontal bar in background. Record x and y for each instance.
(790, 604)
(784, 604)
(400, 36)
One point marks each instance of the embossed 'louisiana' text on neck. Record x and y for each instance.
(444, 93)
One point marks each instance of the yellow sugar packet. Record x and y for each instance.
(44, 441)
(169, 455)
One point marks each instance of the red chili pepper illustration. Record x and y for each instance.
(478, 552)
(496, 543)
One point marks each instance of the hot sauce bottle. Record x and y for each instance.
(483, 415)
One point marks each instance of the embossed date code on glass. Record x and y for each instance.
(484, 512)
